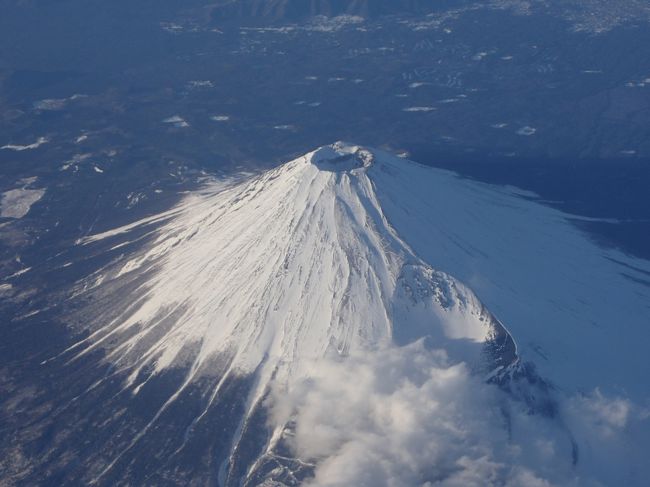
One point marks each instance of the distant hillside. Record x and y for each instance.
(292, 10)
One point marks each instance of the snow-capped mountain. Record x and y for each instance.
(291, 266)
(333, 321)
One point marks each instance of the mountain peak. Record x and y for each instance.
(279, 269)
(350, 248)
(341, 157)
(251, 287)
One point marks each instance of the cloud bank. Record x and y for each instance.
(407, 417)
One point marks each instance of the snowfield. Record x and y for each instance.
(16, 203)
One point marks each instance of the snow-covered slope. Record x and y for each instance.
(347, 253)
(288, 267)
(579, 311)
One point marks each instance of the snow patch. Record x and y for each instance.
(527, 131)
(176, 121)
(16, 203)
(16, 147)
(419, 109)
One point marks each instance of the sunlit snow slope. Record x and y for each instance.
(290, 266)
(347, 252)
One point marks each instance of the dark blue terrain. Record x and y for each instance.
(139, 101)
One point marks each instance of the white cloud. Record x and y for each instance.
(406, 417)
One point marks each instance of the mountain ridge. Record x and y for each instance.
(295, 10)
